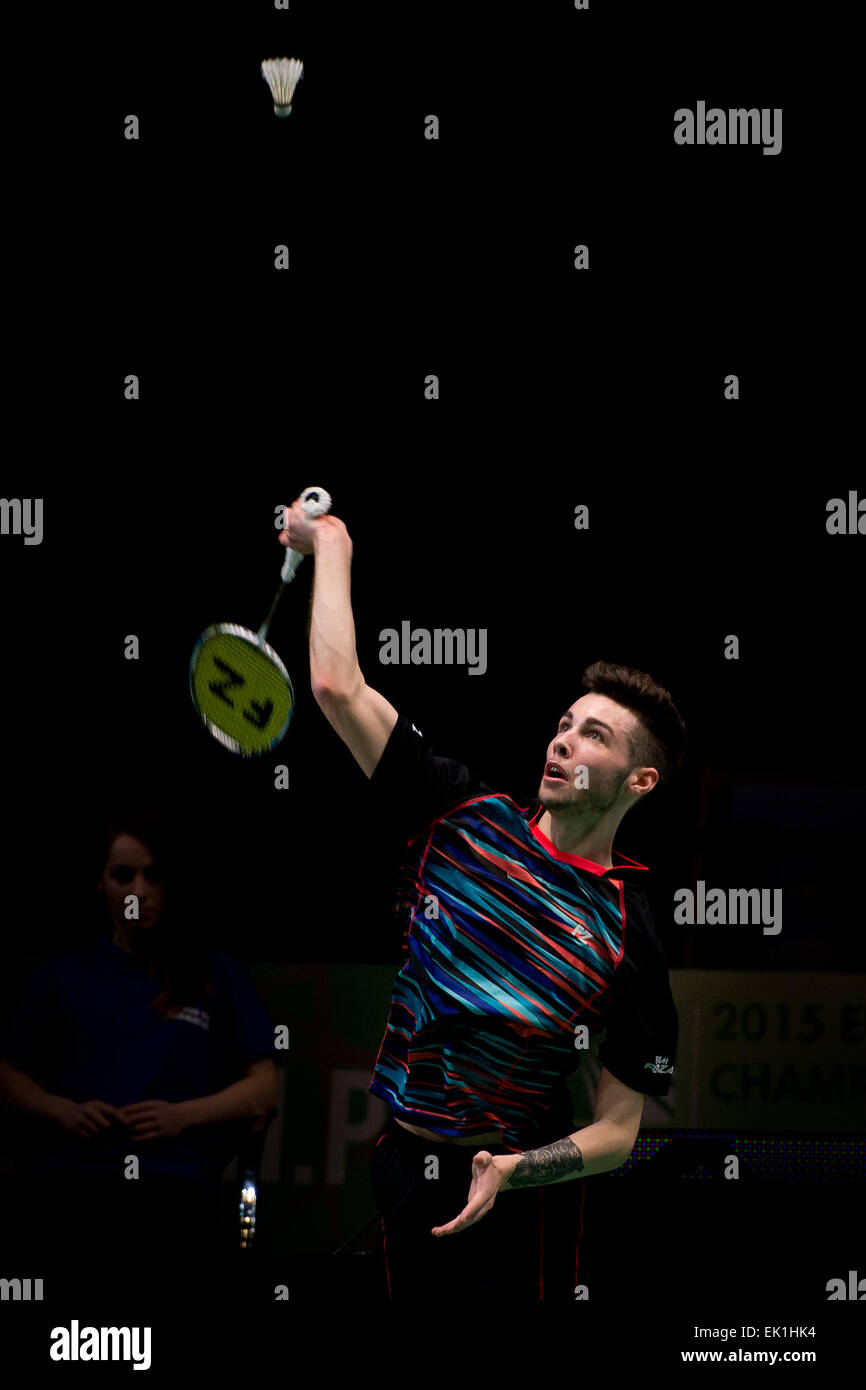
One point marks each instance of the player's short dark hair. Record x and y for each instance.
(659, 738)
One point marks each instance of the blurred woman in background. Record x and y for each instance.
(134, 1066)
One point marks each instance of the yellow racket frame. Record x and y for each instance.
(233, 703)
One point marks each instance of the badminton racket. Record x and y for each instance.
(240, 688)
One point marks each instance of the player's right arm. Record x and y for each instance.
(362, 717)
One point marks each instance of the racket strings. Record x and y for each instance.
(240, 691)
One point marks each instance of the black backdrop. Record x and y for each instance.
(659, 581)
(707, 517)
(558, 388)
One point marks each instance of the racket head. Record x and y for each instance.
(240, 689)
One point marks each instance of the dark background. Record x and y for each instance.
(765, 798)
(558, 388)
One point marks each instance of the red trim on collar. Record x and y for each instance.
(591, 867)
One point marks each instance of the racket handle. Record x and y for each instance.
(315, 501)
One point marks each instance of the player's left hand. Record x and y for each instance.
(487, 1178)
(154, 1119)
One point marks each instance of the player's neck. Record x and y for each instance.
(595, 844)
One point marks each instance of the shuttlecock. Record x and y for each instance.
(281, 75)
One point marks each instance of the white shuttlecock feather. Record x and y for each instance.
(282, 75)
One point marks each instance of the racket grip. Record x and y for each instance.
(290, 565)
(315, 501)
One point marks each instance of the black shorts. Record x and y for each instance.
(525, 1249)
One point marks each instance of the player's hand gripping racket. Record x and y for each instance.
(240, 688)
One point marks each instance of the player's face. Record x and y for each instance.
(590, 735)
(130, 869)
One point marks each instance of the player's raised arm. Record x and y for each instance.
(362, 717)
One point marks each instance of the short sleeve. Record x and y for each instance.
(411, 786)
(641, 1020)
(246, 1028)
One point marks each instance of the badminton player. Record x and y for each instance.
(521, 929)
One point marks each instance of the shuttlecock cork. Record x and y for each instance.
(282, 75)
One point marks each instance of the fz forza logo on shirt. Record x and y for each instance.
(659, 1065)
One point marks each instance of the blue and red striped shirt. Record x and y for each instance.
(509, 945)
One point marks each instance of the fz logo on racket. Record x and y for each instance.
(262, 712)
(218, 688)
(240, 688)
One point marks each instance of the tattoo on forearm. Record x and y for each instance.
(550, 1164)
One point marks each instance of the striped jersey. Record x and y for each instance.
(509, 946)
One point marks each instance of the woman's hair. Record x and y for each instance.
(180, 952)
(659, 740)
